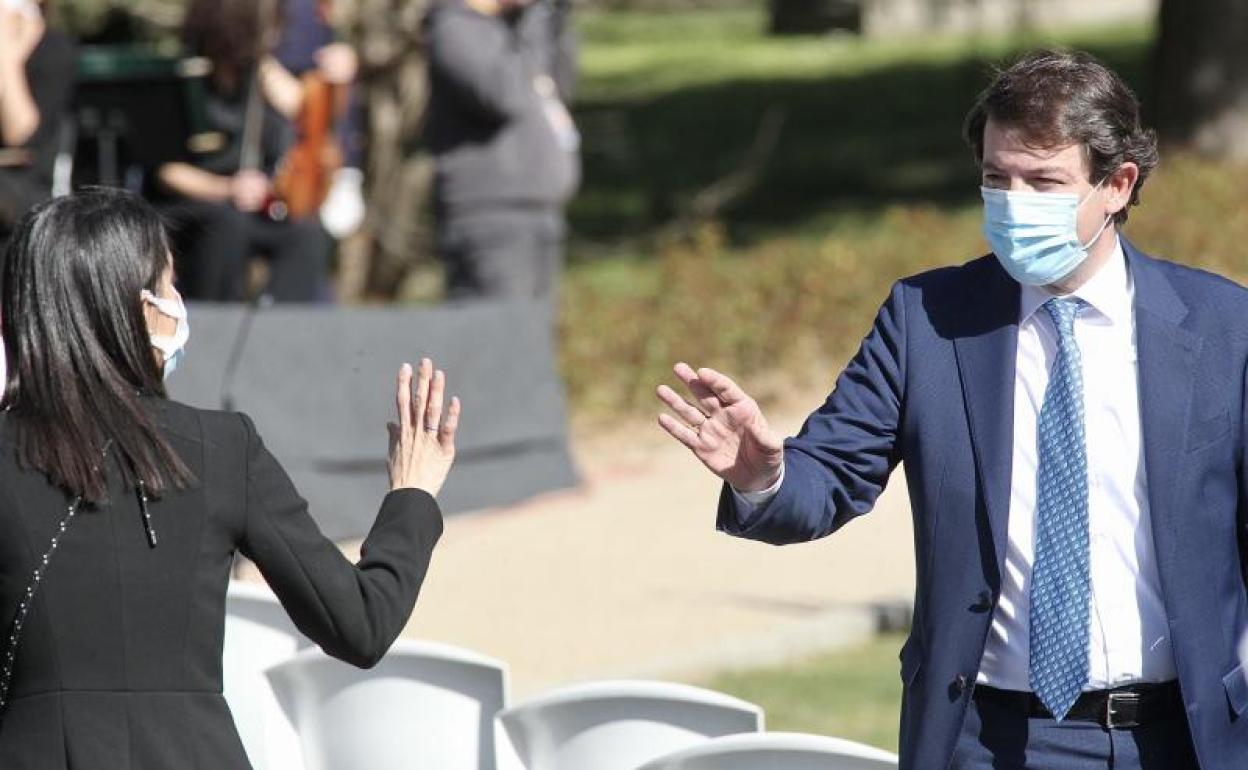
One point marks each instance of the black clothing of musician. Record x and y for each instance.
(218, 224)
(26, 170)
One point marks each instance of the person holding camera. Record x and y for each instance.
(505, 146)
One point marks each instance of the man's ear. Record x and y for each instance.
(1119, 186)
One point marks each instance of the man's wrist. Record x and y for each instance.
(770, 482)
(747, 503)
(766, 492)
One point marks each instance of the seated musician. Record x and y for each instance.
(310, 44)
(36, 84)
(224, 211)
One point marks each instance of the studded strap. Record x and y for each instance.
(28, 597)
(23, 607)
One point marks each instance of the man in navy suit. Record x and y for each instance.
(1071, 417)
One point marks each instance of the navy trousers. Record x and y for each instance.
(995, 737)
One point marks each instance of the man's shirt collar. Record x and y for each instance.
(1108, 292)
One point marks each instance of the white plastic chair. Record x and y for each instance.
(425, 705)
(258, 634)
(618, 725)
(777, 751)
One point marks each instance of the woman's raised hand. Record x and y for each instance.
(422, 443)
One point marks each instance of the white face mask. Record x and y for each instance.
(171, 348)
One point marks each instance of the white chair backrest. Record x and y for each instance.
(425, 705)
(618, 725)
(258, 635)
(777, 751)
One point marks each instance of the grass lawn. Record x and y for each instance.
(868, 181)
(669, 102)
(854, 693)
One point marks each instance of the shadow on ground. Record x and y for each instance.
(860, 142)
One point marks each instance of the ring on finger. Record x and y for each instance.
(431, 429)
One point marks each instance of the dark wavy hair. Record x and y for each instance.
(1059, 98)
(231, 35)
(80, 361)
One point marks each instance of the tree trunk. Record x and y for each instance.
(398, 175)
(1200, 69)
(806, 17)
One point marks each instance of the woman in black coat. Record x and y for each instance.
(140, 504)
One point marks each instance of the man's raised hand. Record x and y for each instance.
(724, 428)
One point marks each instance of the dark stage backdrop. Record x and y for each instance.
(319, 384)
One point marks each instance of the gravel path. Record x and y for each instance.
(627, 576)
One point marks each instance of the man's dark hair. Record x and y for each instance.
(1058, 98)
(80, 362)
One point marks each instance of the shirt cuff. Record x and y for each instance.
(747, 503)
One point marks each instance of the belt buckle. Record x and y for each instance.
(1122, 710)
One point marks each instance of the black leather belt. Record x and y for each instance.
(1120, 708)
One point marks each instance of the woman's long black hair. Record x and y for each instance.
(80, 361)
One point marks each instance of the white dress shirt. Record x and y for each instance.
(1128, 634)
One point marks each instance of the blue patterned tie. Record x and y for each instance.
(1059, 576)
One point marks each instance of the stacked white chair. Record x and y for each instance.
(259, 634)
(425, 705)
(777, 751)
(619, 725)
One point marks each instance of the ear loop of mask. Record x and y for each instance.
(1108, 217)
(168, 345)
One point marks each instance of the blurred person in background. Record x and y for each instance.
(223, 207)
(37, 67)
(309, 44)
(123, 510)
(501, 74)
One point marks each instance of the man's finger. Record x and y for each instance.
(722, 386)
(679, 431)
(698, 389)
(683, 409)
(403, 397)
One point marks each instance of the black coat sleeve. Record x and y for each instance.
(353, 611)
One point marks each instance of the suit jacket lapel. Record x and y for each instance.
(1167, 356)
(986, 350)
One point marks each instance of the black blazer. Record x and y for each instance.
(120, 662)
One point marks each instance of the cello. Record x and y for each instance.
(304, 173)
(303, 176)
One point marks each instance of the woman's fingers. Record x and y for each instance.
(403, 398)
(433, 410)
(446, 438)
(424, 377)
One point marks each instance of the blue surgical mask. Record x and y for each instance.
(1035, 235)
(171, 348)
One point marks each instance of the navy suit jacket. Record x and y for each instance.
(933, 386)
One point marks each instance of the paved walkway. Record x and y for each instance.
(627, 576)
